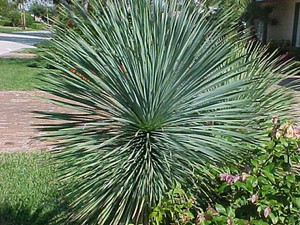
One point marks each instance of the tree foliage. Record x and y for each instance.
(38, 10)
(5, 7)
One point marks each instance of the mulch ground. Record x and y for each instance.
(18, 123)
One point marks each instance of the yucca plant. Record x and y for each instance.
(154, 91)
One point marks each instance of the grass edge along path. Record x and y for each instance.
(20, 74)
(7, 29)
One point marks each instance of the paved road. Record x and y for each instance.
(20, 40)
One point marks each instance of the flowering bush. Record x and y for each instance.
(266, 192)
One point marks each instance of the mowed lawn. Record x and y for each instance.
(28, 190)
(19, 74)
(5, 29)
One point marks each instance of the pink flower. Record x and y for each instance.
(223, 176)
(228, 178)
(235, 178)
(296, 132)
(254, 198)
(267, 212)
(229, 221)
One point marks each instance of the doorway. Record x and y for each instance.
(296, 30)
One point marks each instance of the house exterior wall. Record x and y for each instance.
(29, 3)
(284, 13)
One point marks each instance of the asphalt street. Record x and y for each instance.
(20, 40)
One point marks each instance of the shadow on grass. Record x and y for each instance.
(19, 215)
(51, 212)
(24, 215)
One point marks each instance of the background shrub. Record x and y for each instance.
(5, 22)
(37, 26)
(14, 18)
(29, 20)
(38, 10)
(265, 191)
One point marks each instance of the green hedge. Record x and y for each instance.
(14, 19)
(37, 26)
(4, 22)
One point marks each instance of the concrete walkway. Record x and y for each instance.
(18, 123)
(20, 40)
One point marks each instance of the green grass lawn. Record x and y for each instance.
(19, 74)
(4, 29)
(28, 191)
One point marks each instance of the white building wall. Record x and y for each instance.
(284, 13)
(29, 3)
